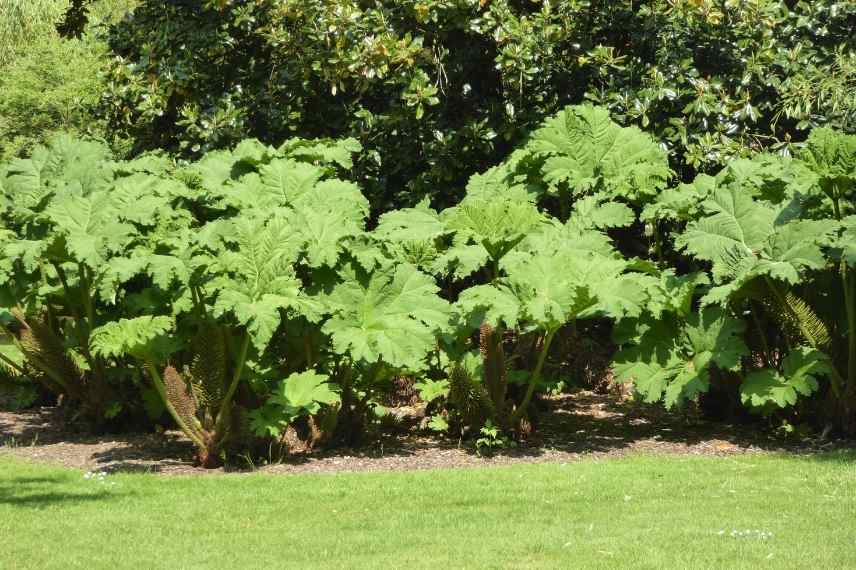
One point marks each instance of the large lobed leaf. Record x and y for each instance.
(585, 149)
(496, 225)
(663, 366)
(745, 239)
(831, 155)
(133, 337)
(392, 315)
(799, 375)
(843, 242)
(259, 279)
(305, 391)
(418, 223)
(551, 285)
(734, 224)
(90, 227)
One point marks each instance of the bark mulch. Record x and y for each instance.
(580, 425)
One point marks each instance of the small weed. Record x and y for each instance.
(492, 439)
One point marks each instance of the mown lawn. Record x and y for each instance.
(636, 512)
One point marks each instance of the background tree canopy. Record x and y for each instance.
(438, 89)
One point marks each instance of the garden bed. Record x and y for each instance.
(574, 426)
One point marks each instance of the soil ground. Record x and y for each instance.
(574, 426)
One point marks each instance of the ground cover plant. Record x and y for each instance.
(744, 512)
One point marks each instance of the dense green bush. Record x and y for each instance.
(244, 293)
(436, 90)
(51, 88)
(776, 235)
(22, 21)
(50, 83)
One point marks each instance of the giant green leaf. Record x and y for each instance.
(496, 225)
(305, 391)
(676, 368)
(587, 150)
(323, 234)
(788, 251)
(801, 369)
(734, 225)
(550, 286)
(392, 315)
(283, 180)
(831, 155)
(129, 336)
(90, 227)
(418, 223)
(259, 278)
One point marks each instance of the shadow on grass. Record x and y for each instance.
(843, 456)
(39, 492)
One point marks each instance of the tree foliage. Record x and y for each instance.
(436, 89)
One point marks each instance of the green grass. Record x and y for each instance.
(637, 512)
